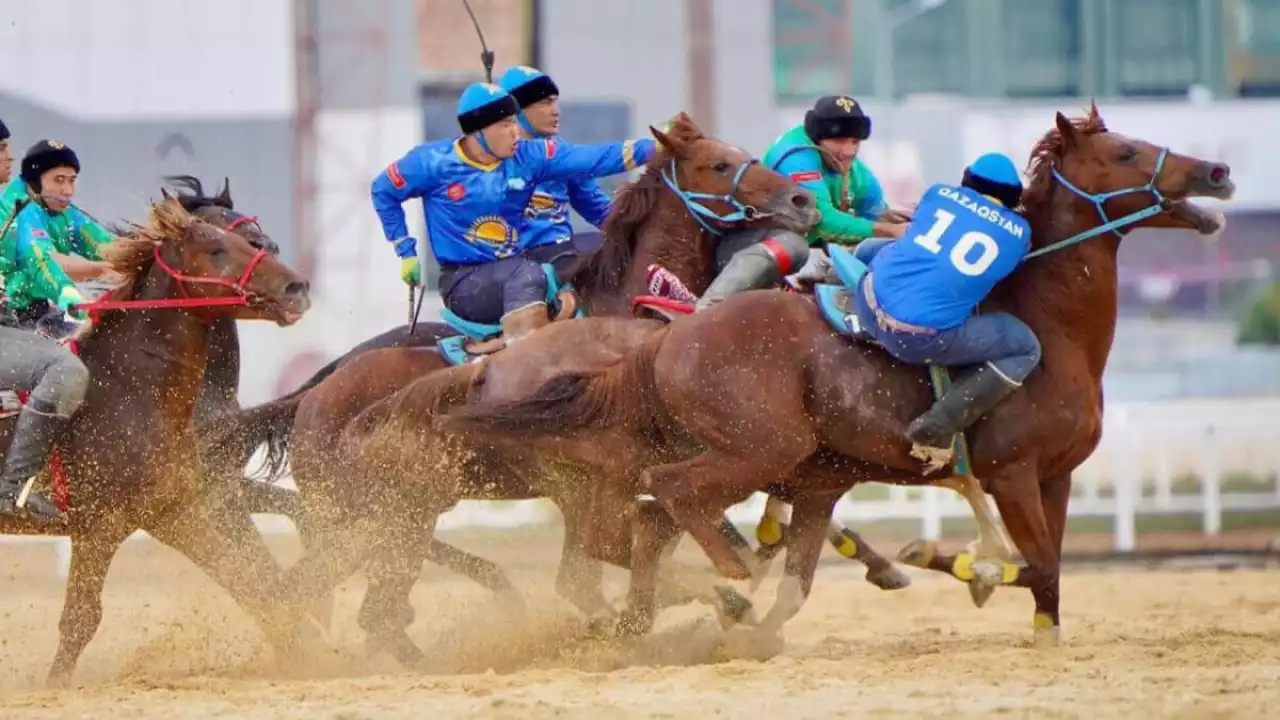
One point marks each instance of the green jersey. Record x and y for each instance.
(27, 267)
(849, 203)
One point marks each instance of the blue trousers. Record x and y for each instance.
(1000, 339)
(484, 293)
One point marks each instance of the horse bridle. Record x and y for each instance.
(1162, 204)
(694, 202)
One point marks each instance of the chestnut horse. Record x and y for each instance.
(759, 392)
(650, 222)
(130, 456)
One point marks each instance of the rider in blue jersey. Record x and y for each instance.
(474, 190)
(550, 234)
(919, 297)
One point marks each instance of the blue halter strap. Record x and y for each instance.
(694, 202)
(1098, 199)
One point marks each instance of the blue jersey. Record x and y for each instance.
(475, 212)
(958, 246)
(546, 218)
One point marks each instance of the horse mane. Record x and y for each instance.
(1048, 155)
(190, 192)
(629, 213)
(133, 253)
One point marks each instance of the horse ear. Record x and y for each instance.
(668, 143)
(1066, 130)
(165, 194)
(225, 194)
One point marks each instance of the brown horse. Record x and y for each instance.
(759, 393)
(146, 354)
(649, 224)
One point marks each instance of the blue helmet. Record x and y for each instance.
(482, 105)
(527, 85)
(994, 174)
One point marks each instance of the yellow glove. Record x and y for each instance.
(411, 271)
(68, 297)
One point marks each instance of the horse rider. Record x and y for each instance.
(474, 190)
(47, 244)
(820, 155)
(547, 228)
(919, 297)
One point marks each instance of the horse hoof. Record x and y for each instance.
(58, 681)
(918, 553)
(734, 608)
(406, 652)
(632, 624)
(1047, 638)
(986, 578)
(888, 577)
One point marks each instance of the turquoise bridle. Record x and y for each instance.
(695, 202)
(1162, 204)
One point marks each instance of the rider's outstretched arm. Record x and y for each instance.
(590, 200)
(554, 159)
(88, 236)
(406, 178)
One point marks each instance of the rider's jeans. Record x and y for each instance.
(55, 377)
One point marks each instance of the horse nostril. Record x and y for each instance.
(801, 201)
(1219, 173)
(297, 289)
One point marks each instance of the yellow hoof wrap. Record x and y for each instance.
(769, 531)
(962, 567)
(845, 544)
(1042, 621)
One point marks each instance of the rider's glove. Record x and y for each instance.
(67, 298)
(411, 271)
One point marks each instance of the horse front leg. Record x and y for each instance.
(811, 518)
(91, 554)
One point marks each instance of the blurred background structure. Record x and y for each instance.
(302, 102)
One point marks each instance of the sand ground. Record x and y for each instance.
(1137, 642)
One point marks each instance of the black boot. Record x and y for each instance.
(965, 402)
(33, 441)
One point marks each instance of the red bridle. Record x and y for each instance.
(241, 297)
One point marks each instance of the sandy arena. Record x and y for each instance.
(1138, 643)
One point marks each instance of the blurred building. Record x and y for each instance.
(302, 102)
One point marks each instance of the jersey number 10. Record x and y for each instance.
(959, 255)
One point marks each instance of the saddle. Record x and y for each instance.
(479, 339)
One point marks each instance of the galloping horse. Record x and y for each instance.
(146, 351)
(650, 222)
(760, 392)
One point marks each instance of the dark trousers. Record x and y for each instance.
(484, 293)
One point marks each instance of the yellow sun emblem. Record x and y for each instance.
(494, 232)
(846, 104)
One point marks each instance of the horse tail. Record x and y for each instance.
(231, 439)
(622, 394)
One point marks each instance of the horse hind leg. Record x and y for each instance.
(986, 563)
(773, 530)
(91, 554)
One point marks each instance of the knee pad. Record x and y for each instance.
(788, 250)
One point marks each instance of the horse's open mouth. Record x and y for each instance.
(1204, 220)
(284, 315)
(1201, 219)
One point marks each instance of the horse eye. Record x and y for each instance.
(1128, 155)
(721, 167)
